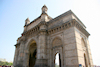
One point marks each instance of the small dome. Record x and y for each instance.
(27, 21)
(44, 6)
(44, 9)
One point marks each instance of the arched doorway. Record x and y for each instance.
(57, 60)
(57, 52)
(32, 53)
(85, 61)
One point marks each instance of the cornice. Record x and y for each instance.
(60, 16)
(16, 45)
(83, 30)
(66, 25)
(34, 29)
(31, 31)
(33, 21)
(43, 32)
(72, 23)
(66, 14)
(61, 27)
(42, 23)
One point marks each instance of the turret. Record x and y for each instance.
(44, 16)
(27, 21)
(44, 9)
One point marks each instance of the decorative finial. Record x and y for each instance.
(44, 9)
(27, 21)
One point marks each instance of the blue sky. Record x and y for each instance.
(14, 12)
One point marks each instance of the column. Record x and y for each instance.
(41, 49)
(15, 57)
(21, 54)
(16, 54)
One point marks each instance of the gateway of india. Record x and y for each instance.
(45, 37)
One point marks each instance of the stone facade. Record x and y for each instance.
(44, 37)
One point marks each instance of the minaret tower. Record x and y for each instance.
(44, 15)
(27, 21)
(41, 60)
(44, 9)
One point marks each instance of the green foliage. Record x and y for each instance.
(6, 63)
(56, 65)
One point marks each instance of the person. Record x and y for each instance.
(4, 66)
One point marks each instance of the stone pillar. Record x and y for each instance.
(89, 54)
(21, 54)
(41, 49)
(15, 57)
(16, 54)
(26, 59)
(70, 48)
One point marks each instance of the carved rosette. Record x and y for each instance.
(56, 42)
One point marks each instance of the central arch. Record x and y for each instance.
(32, 53)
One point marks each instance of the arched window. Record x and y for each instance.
(57, 60)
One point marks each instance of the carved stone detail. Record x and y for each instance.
(56, 42)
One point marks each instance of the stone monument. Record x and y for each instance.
(44, 37)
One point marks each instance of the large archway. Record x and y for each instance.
(32, 53)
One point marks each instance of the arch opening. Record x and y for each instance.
(57, 60)
(32, 53)
(85, 61)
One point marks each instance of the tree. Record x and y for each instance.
(6, 63)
